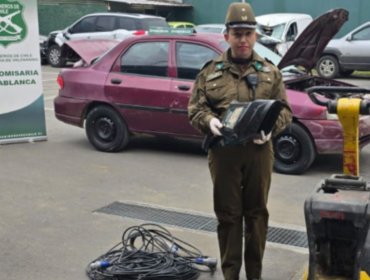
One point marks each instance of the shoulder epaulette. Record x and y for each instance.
(269, 61)
(206, 64)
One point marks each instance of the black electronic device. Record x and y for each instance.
(252, 81)
(245, 120)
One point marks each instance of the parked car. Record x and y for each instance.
(98, 26)
(181, 24)
(42, 44)
(279, 30)
(211, 28)
(143, 84)
(343, 56)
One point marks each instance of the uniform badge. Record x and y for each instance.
(266, 69)
(258, 65)
(219, 66)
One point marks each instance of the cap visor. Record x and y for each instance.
(242, 25)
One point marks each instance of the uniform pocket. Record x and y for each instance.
(265, 86)
(217, 92)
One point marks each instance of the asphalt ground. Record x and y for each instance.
(50, 191)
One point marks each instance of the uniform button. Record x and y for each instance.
(214, 85)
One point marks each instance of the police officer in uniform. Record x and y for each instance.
(241, 173)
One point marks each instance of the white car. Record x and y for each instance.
(280, 30)
(105, 26)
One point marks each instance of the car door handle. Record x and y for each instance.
(183, 87)
(116, 81)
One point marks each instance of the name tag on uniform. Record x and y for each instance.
(213, 76)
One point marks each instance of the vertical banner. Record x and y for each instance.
(22, 116)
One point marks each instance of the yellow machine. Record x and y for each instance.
(338, 212)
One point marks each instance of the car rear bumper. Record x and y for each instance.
(70, 110)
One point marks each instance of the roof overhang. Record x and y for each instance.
(152, 3)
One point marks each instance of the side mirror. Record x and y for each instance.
(349, 38)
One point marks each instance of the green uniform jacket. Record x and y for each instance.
(220, 82)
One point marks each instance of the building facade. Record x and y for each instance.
(212, 11)
(57, 14)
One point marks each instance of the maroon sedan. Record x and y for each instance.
(143, 84)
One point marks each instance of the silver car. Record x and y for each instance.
(343, 56)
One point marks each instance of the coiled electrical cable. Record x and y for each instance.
(150, 252)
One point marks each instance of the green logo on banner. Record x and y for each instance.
(13, 29)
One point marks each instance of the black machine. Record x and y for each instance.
(337, 214)
(337, 220)
(244, 121)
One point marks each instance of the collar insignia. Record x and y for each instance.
(219, 66)
(258, 65)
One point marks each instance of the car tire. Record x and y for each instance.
(294, 150)
(328, 67)
(106, 130)
(54, 56)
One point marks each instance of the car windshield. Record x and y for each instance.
(267, 53)
(272, 31)
(260, 49)
(275, 58)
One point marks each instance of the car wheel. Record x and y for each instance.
(294, 150)
(106, 130)
(54, 56)
(327, 67)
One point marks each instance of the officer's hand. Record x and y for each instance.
(215, 125)
(263, 139)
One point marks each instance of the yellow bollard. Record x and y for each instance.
(364, 276)
(348, 111)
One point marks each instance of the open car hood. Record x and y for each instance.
(307, 48)
(88, 50)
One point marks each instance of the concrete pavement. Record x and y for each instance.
(50, 191)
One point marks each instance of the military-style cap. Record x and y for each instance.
(240, 15)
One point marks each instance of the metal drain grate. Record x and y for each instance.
(287, 237)
(196, 222)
